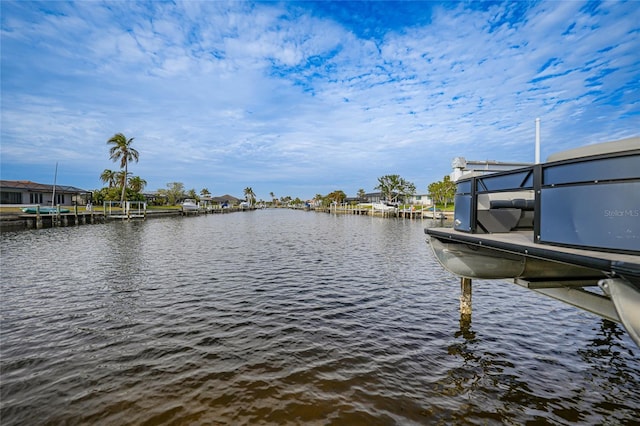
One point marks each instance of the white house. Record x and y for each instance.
(420, 200)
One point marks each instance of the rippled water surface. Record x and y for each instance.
(288, 317)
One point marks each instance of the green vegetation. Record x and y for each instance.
(442, 192)
(174, 192)
(192, 194)
(114, 194)
(137, 184)
(336, 196)
(393, 186)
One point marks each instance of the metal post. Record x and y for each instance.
(537, 141)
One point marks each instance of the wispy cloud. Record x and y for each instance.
(304, 98)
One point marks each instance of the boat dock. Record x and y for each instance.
(389, 212)
(39, 220)
(14, 221)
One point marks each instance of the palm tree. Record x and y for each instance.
(122, 150)
(108, 177)
(192, 194)
(120, 178)
(204, 192)
(137, 184)
(251, 196)
(338, 196)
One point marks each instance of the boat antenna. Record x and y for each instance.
(55, 177)
(537, 140)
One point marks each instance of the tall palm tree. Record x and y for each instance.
(251, 196)
(108, 177)
(121, 150)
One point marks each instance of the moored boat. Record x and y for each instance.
(189, 205)
(382, 207)
(568, 228)
(44, 210)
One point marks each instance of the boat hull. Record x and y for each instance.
(43, 210)
(189, 205)
(473, 261)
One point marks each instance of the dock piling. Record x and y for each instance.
(465, 296)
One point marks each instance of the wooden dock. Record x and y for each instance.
(15, 221)
(75, 218)
(411, 213)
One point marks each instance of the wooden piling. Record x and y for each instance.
(465, 296)
(38, 218)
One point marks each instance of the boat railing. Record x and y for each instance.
(586, 202)
(499, 202)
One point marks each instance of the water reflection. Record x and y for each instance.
(607, 369)
(465, 328)
(122, 276)
(531, 387)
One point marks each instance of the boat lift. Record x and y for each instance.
(131, 210)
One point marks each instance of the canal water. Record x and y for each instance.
(288, 317)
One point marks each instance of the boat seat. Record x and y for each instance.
(516, 203)
(498, 220)
(506, 215)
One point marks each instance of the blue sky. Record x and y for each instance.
(301, 98)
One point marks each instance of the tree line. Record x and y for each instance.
(394, 188)
(121, 185)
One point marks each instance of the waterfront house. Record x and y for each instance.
(420, 200)
(417, 199)
(228, 200)
(374, 197)
(26, 192)
(155, 199)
